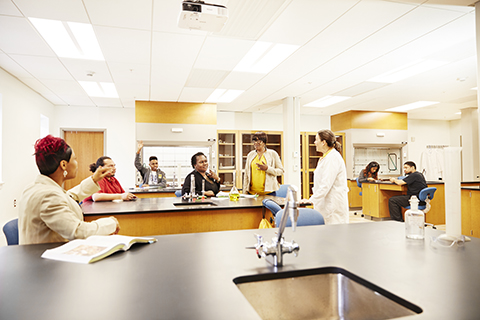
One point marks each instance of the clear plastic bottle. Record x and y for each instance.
(414, 221)
(192, 185)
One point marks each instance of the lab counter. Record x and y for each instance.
(190, 276)
(158, 216)
(375, 196)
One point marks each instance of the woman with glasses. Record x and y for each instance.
(262, 168)
(370, 173)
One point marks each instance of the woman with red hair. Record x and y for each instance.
(48, 213)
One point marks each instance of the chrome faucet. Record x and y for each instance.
(273, 252)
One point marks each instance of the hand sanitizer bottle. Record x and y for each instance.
(414, 221)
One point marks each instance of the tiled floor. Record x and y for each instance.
(356, 217)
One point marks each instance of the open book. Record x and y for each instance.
(93, 248)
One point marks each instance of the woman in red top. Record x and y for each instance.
(110, 187)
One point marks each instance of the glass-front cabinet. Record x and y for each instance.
(232, 143)
(310, 157)
(227, 157)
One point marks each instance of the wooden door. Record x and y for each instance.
(88, 147)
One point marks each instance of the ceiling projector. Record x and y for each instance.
(203, 16)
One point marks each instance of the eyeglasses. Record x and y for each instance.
(257, 141)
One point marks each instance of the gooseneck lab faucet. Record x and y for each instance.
(273, 252)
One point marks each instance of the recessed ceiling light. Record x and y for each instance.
(414, 105)
(408, 70)
(460, 112)
(69, 39)
(326, 101)
(263, 57)
(99, 89)
(224, 95)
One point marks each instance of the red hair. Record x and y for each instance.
(49, 151)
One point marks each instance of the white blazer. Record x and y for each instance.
(330, 190)
(47, 213)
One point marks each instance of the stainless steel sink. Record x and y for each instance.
(324, 293)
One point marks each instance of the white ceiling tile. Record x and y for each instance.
(78, 100)
(107, 102)
(130, 72)
(248, 18)
(80, 70)
(8, 8)
(195, 94)
(18, 36)
(201, 78)
(240, 80)
(36, 85)
(222, 53)
(12, 67)
(173, 59)
(132, 90)
(120, 13)
(304, 19)
(63, 87)
(54, 99)
(124, 45)
(43, 67)
(128, 103)
(64, 10)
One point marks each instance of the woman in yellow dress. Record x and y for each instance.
(262, 168)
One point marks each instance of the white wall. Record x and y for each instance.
(21, 109)
(268, 121)
(119, 124)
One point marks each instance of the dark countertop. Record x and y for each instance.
(153, 190)
(190, 276)
(148, 205)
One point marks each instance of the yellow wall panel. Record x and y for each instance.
(369, 120)
(175, 112)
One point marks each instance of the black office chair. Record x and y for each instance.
(359, 184)
(10, 229)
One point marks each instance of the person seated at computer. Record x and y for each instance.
(110, 187)
(151, 174)
(201, 173)
(370, 173)
(48, 213)
(415, 182)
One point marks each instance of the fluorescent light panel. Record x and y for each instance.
(326, 101)
(414, 105)
(224, 95)
(99, 89)
(408, 70)
(263, 57)
(69, 39)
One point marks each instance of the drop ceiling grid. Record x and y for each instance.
(43, 67)
(8, 8)
(190, 94)
(80, 68)
(72, 10)
(130, 73)
(124, 45)
(12, 67)
(64, 87)
(222, 53)
(121, 13)
(18, 36)
(173, 58)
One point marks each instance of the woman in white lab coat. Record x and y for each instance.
(330, 191)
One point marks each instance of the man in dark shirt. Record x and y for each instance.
(415, 182)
